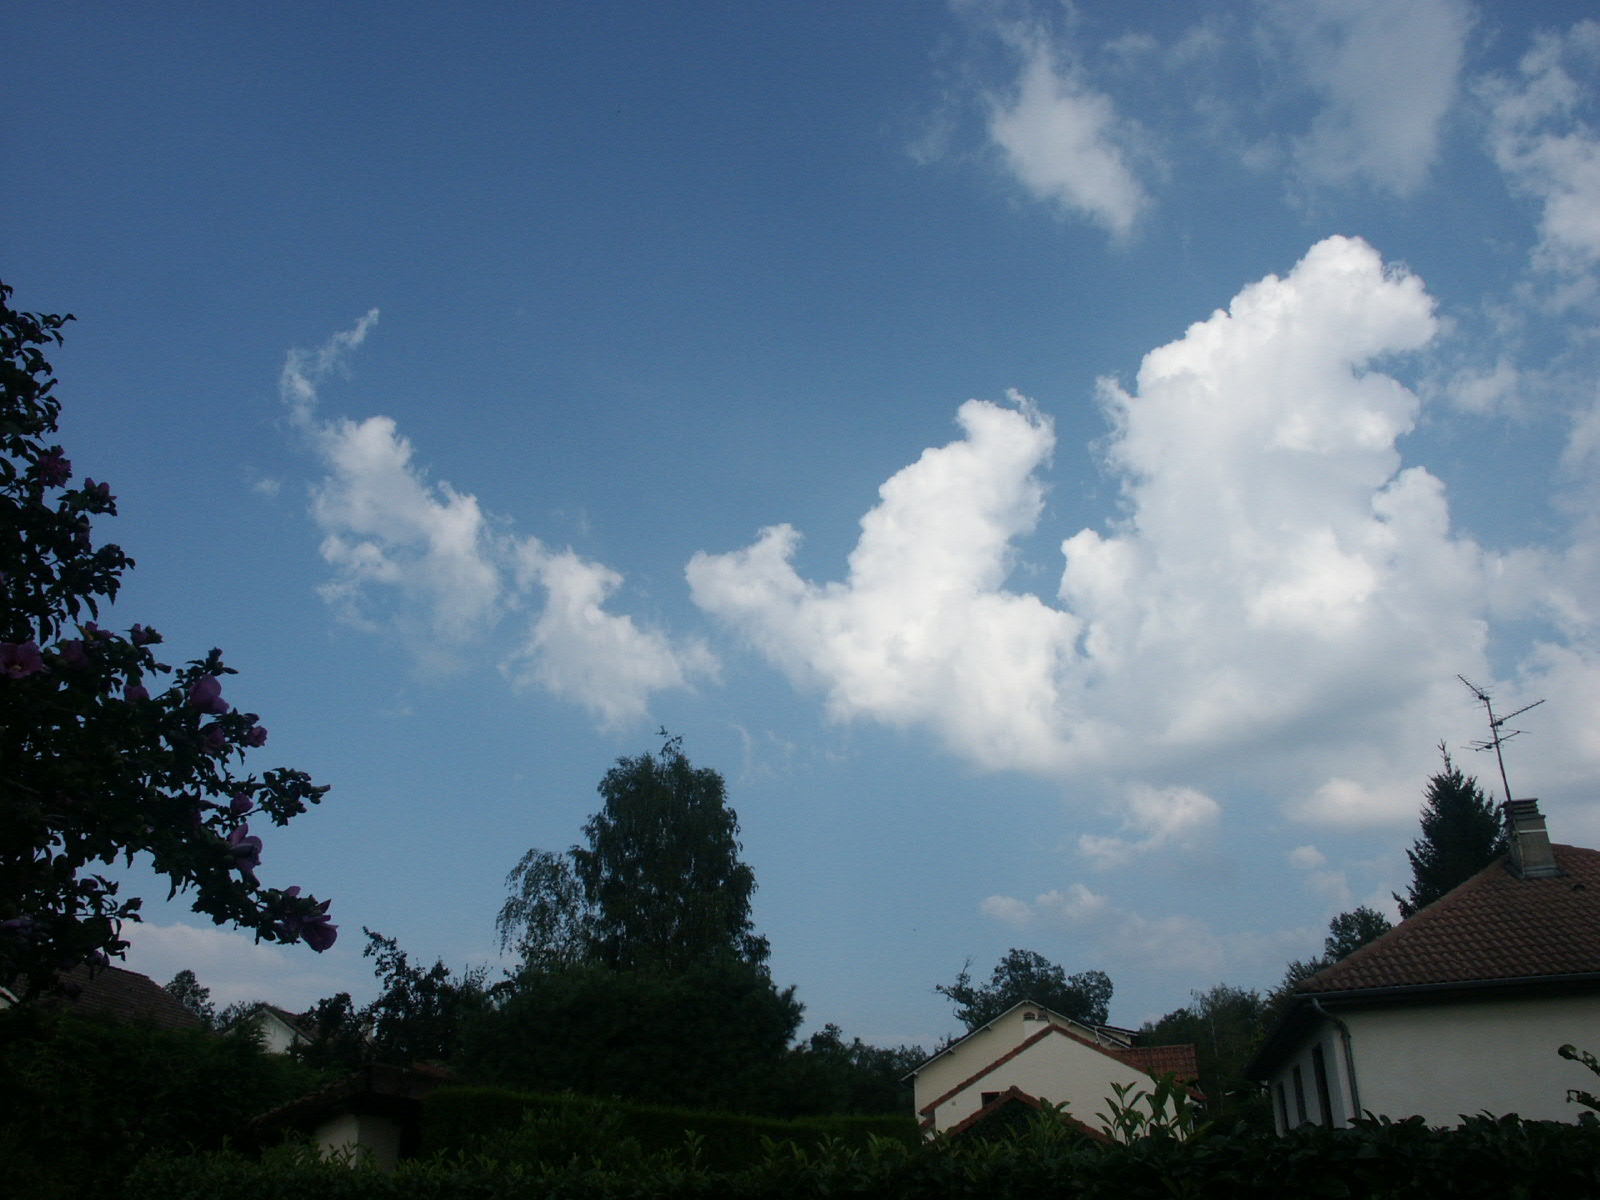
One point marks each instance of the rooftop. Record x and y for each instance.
(1494, 927)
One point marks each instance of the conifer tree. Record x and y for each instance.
(1461, 834)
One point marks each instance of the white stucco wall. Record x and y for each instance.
(348, 1132)
(1441, 1061)
(1058, 1068)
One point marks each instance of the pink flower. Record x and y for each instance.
(246, 851)
(52, 469)
(135, 691)
(18, 660)
(205, 694)
(140, 636)
(257, 736)
(240, 804)
(72, 655)
(212, 739)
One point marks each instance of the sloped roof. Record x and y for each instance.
(1015, 1095)
(123, 996)
(1156, 1061)
(1494, 927)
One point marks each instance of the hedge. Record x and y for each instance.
(1503, 1158)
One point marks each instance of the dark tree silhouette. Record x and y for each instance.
(1024, 975)
(1461, 834)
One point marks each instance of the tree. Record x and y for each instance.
(659, 884)
(712, 1034)
(1350, 931)
(421, 1014)
(1024, 975)
(1224, 1026)
(337, 1035)
(1461, 834)
(98, 759)
(188, 992)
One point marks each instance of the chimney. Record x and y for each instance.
(1531, 856)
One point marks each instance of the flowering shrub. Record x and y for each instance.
(106, 752)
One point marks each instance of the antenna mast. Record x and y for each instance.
(1496, 738)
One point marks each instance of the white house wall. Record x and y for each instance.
(1057, 1068)
(1443, 1061)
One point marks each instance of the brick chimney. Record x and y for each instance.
(1531, 856)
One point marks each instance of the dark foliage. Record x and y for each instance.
(1461, 834)
(99, 759)
(82, 1100)
(712, 1034)
(1486, 1157)
(1023, 975)
(1225, 1026)
(658, 886)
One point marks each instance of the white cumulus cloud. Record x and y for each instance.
(422, 559)
(1065, 142)
(1283, 603)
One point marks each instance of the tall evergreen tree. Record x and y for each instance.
(1461, 834)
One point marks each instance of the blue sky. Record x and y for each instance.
(1053, 459)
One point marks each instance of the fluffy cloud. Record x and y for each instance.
(1284, 603)
(1541, 134)
(1386, 73)
(423, 560)
(235, 967)
(1065, 142)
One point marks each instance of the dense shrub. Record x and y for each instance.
(522, 1126)
(1486, 1156)
(82, 1099)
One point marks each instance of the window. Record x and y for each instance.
(1319, 1071)
(990, 1097)
(1299, 1097)
(1283, 1106)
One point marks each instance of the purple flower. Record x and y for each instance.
(213, 740)
(140, 636)
(246, 851)
(98, 491)
(240, 804)
(72, 655)
(256, 736)
(52, 469)
(17, 928)
(18, 660)
(205, 694)
(319, 931)
(135, 691)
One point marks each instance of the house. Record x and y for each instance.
(1032, 1056)
(1459, 1009)
(374, 1113)
(115, 994)
(280, 1029)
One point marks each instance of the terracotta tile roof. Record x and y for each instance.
(1495, 926)
(124, 996)
(1156, 1061)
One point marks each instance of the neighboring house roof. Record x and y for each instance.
(122, 995)
(1498, 931)
(1494, 928)
(1152, 1060)
(1095, 1035)
(1016, 1096)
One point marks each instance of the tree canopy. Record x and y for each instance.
(105, 752)
(1461, 834)
(1024, 975)
(659, 884)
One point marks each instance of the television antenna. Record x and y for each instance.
(1498, 734)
